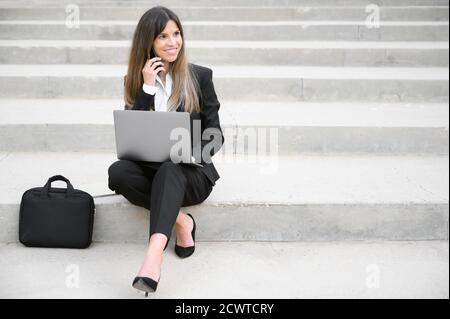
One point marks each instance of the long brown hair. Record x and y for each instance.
(185, 84)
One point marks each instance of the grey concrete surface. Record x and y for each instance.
(79, 111)
(423, 54)
(66, 53)
(411, 179)
(234, 30)
(331, 224)
(232, 71)
(233, 270)
(237, 83)
(389, 128)
(438, 13)
(301, 198)
(301, 53)
(219, 3)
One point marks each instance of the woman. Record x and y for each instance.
(159, 78)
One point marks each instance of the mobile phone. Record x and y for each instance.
(152, 54)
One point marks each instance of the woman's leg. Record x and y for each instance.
(134, 182)
(163, 192)
(173, 186)
(196, 192)
(130, 180)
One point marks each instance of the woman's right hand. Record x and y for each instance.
(151, 69)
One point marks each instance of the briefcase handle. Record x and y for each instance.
(46, 188)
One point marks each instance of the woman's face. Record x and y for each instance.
(168, 43)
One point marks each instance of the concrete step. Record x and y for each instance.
(286, 83)
(432, 13)
(308, 198)
(399, 128)
(299, 270)
(279, 30)
(219, 3)
(374, 54)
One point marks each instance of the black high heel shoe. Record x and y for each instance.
(145, 284)
(184, 252)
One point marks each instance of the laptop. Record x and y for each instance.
(145, 136)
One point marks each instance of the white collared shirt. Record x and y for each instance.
(161, 92)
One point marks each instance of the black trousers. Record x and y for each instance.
(163, 189)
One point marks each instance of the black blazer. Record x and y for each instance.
(209, 116)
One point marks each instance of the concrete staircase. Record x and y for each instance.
(360, 116)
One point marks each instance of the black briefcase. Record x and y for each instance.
(56, 217)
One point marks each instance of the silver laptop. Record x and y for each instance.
(146, 136)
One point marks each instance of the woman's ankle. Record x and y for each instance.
(181, 218)
(184, 222)
(157, 242)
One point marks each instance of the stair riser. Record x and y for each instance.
(239, 3)
(232, 14)
(236, 56)
(242, 89)
(234, 32)
(291, 140)
(129, 223)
